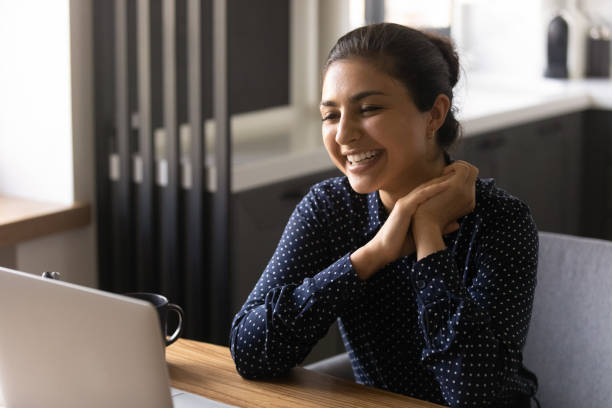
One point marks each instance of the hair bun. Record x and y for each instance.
(447, 48)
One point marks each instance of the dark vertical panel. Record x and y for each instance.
(146, 277)
(258, 51)
(132, 32)
(182, 121)
(207, 64)
(156, 64)
(122, 196)
(221, 220)
(104, 72)
(181, 61)
(141, 67)
(170, 272)
(194, 268)
(157, 112)
(596, 174)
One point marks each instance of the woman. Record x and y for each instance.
(429, 270)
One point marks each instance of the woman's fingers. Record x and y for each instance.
(434, 189)
(463, 169)
(407, 205)
(436, 180)
(449, 169)
(426, 192)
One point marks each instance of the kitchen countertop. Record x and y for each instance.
(486, 103)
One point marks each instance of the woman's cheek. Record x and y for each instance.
(328, 140)
(333, 149)
(376, 127)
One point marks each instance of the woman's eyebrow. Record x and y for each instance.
(354, 98)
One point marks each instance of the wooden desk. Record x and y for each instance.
(22, 219)
(208, 370)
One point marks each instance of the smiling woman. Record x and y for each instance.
(429, 270)
(376, 136)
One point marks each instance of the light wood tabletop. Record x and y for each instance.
(23, 219)
(208, 370)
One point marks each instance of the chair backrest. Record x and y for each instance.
(569, 345)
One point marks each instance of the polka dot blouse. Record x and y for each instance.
(447, 329)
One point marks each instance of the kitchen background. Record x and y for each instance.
(544, 140)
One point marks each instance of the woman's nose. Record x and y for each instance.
(346, 132)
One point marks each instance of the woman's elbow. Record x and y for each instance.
(248, 365)
(255, 370)
(246, 372)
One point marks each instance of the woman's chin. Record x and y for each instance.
(360, 187)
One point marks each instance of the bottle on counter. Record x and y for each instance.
(557, 40)
(598, 52)
(567, 41)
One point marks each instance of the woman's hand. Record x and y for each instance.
(433, 216)
(394, 238)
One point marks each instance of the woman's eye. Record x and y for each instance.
(365, 109)
(329, 116)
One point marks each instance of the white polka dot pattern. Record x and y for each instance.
(448, 329)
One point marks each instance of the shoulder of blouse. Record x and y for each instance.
(494, 204)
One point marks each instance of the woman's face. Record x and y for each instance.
(372, 129)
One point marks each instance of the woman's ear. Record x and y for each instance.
(438, 112)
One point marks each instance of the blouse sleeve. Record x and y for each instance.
(474, 335)
(297, 298)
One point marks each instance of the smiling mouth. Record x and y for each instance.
(364, 157)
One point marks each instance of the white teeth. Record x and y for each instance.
(359, 157)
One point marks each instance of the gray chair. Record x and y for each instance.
(569, 345)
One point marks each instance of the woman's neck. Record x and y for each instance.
(389, 196)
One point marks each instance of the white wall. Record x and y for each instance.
(35, 106)
(73, 253)
(44, 156)
(509, 37)
(500, 36)
(598, 10)
(36, 162)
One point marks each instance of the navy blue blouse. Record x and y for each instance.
(448, 329)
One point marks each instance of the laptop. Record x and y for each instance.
(65, 345)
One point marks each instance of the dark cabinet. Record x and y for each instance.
(597, 175)
(538, 162)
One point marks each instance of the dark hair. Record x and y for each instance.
(425, 63)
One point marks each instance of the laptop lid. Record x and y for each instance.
(64, 345)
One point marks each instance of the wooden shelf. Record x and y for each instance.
(23, 219)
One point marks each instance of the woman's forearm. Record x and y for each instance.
(279, 323)
(427, 237)
(366, 261)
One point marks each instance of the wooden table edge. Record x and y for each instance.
(186, 363)
(39, 219)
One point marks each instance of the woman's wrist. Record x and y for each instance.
(366, 261)
(427, 236)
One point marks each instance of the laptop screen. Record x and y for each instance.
(77, 346)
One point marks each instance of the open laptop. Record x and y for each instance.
(64, 345)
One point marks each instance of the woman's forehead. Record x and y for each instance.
(344, 78)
